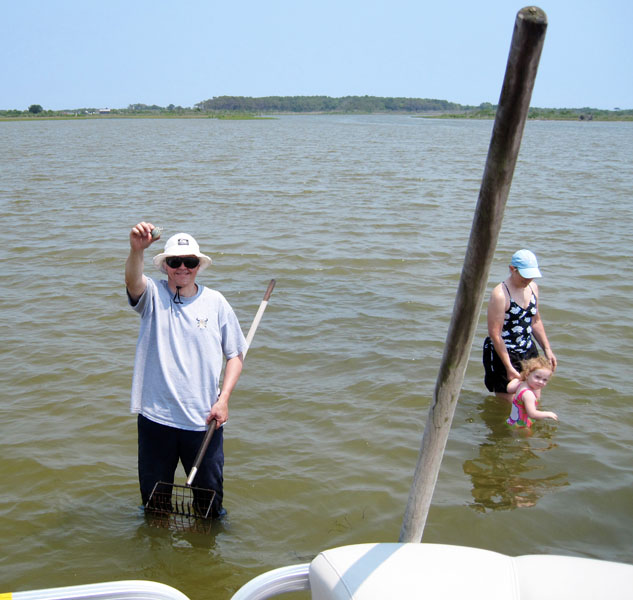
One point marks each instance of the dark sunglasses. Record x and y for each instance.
(191, 262)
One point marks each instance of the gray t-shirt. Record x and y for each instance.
(179, 354)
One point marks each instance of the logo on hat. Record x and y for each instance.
(183, 242)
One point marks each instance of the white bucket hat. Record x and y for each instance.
(181, 244)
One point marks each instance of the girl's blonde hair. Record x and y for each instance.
(532, 364)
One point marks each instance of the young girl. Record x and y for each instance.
(535, 374)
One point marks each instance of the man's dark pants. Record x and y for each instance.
(161, 447)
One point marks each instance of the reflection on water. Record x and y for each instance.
(505, 475)
(193, 534)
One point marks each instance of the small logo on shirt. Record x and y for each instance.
(202, 323)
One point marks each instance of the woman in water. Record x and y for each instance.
(513, 318)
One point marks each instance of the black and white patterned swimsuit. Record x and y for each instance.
(517, 325)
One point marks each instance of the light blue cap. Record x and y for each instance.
(526, 264)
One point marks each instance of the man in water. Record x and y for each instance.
(187, 331)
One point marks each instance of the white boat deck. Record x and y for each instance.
(402, 571)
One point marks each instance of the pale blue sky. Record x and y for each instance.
(83, 53)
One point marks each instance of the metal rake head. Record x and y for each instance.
(180, 507)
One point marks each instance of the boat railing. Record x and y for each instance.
(293, 578)
(112, 590)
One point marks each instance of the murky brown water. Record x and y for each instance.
(364, 222)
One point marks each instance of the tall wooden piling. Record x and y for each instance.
(514, 104)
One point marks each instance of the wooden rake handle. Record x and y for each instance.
(258, 316)
(213, 425)
(203, 449)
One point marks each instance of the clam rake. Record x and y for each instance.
(185, 507)
(177, 509)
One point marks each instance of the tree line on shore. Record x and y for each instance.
(246, 106)
(326, 104)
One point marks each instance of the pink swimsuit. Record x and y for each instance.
(518, 415)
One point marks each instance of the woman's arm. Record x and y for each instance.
(538, 330)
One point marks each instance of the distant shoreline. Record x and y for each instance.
(272, 116)
(247, 108)
(237, 117)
